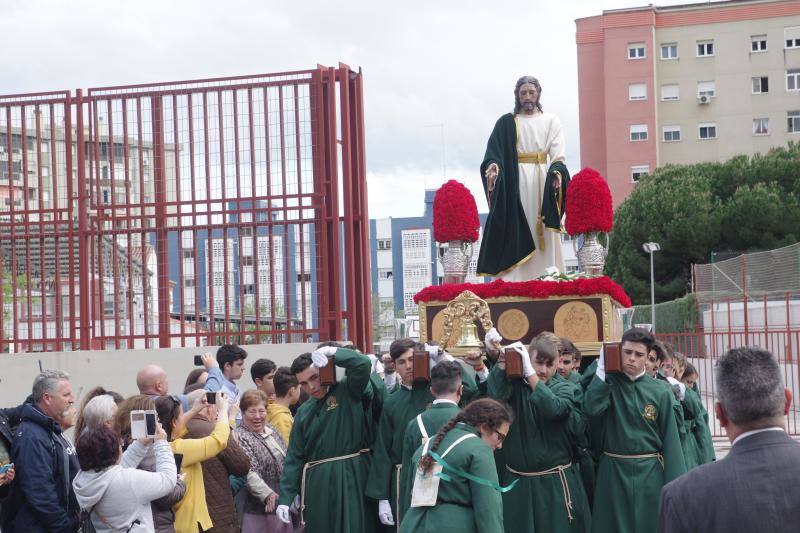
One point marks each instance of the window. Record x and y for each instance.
(45, 172)
(794, 121)
(793, 79)
(384, 244)
(639, 171)
(671, 134)
(638, 132)
(792, 37)
(758, 43)
(760, 85)
(760, 126)
(45, 196)
(45, 147)
(706, 88)
(303, 277)
(669, 51)
(670, 92)
(707, 130)
(105, 196)
(188, 253)
(188, 282)
(705, 48)
(636, 51)
(637, 91)
(384, 273)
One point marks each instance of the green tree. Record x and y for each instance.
(746, 203)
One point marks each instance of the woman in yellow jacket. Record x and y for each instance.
(191, 513)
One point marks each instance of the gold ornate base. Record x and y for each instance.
(588, 321)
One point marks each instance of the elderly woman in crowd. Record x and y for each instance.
(116, 494)
(90, 395)
(191, 513)
(266, 449)
(163, 515)
(98, 412)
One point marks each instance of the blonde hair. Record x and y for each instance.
(251, 398)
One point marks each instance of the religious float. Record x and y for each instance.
(586, 307)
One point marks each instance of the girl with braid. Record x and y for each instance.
(468, 498)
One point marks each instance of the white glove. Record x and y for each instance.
(527, 367)
(282, 512)
(320, 356)
(681, 387)
(433, 351)
(601, 365)
(492, 337)
(385, 513)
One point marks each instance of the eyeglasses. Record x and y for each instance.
(501, 436)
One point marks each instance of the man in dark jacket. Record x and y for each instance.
(45, 461)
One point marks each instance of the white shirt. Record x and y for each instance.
(753, 432)
(444, 400)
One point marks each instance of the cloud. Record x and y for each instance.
(425, 63)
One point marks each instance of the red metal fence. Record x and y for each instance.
(186, 213)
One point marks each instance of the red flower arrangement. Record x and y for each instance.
(589, 205)
(455, 214)
(530, 289)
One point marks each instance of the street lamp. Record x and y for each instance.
(650, 248)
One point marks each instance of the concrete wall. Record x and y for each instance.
(116, 370)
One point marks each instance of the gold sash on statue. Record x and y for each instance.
(536, 158)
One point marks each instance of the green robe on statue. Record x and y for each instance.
(638, 419)
(333, 426)
(547, 423)
(399, 408)
(432, 420)
(462, 506)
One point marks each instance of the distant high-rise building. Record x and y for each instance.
(684, 84)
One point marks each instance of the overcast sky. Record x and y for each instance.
(425, 64)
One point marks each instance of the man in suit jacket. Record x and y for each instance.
(755, 488)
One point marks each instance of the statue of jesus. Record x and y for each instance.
(525, 181)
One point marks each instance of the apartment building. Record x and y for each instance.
(685, 84)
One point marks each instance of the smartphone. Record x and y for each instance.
(6, 467)
(178, 461)
(211, 397)
(143, 424)
(198, 360)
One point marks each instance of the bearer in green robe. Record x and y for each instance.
(327, 459)
(539, 450)
(698, 438)
(468, 496)
(406, 402)
(446, 387)
(566, 361)
(641, 448)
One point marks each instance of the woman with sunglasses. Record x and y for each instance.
(468, 497)
(191, 513)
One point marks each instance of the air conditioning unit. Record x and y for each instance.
(703, 99)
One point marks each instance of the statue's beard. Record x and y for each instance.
(528, 107)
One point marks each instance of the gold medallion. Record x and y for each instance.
(513, 324)
(650, 412)
(576, 321)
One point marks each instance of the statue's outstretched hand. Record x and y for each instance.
(491, 176)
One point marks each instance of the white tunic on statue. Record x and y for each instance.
(540, 132)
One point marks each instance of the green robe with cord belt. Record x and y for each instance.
(547, 423)
(462, 506)
(399, 408)
(507, 239)
(433, 419)
(333, 426)
(638, 418)
(698, 447)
